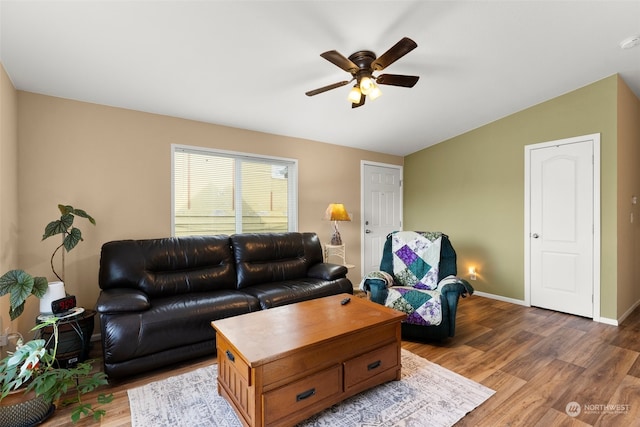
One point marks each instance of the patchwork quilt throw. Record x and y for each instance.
(423, 307)
(415, 258)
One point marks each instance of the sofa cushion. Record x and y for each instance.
(269, 257)
(292, 291)
(122, 301)
(327, 271)
(168, 266)
(170, 322)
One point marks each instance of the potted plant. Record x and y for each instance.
(32, 370)
(71, 236)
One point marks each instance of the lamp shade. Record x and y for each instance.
(355, 96)
(375, 93)
(337, 212)
(366, 85)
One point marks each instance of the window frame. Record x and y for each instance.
(292, 179)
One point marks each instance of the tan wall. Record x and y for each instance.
(8, 187)
(628, 186)
(472, 188)
(115, 164)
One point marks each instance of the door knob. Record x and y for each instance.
(367, 231)
(535, 235)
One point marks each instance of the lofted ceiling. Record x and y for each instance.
(248, 64)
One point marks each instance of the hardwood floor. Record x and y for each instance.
(538, 362)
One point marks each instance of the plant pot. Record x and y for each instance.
(54, 292)
(22, 410)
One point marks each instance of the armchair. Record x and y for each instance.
(418, 276)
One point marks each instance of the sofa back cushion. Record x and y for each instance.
(312, 248)
(273, 257)
(168, 266)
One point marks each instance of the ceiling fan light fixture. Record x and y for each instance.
(355, 95)
(361, 65)
(367, 85)
(375, 93)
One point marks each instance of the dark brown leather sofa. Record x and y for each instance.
(159, 296)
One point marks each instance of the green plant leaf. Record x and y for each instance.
(98, 413)
(72, 239)
(20, 288)
(59, 226)
(51, 229)
(104, 399)
(78, 412)
(20, 285)
(14, 313)
(49, 321)
(30, 348)
(40, 286)
(65, 209)
(83, 214)
(15, 279)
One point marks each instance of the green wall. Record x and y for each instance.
(471, 187)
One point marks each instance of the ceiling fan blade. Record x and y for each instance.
(396, 52)
(397, 80)
(338, 59)
(326, 88)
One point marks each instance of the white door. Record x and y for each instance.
(381, 210)
(561, 229)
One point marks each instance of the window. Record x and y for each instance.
(220, 192)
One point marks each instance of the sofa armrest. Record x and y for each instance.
(327, 271)
(377, 289)
(452, 288)
(453, 284)
(122, 300)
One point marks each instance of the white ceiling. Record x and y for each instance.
(247, 64)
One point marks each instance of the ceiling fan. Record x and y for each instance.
(362, 64)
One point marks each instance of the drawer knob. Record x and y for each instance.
(374, 365)
(230, 356)
(305, 394)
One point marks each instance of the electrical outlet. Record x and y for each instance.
(4, 340)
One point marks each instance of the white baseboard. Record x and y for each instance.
(627, 313)
(500, 298)
(604, 320)
(607, 321)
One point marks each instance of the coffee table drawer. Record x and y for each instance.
(302, 393)
(370, 364)
(233, 360)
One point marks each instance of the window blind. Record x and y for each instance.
(217, 192)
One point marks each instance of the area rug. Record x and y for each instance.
(428, 394)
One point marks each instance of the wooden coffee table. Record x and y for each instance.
(279, 366)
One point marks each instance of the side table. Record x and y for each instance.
(74, 336)
(338, 252)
